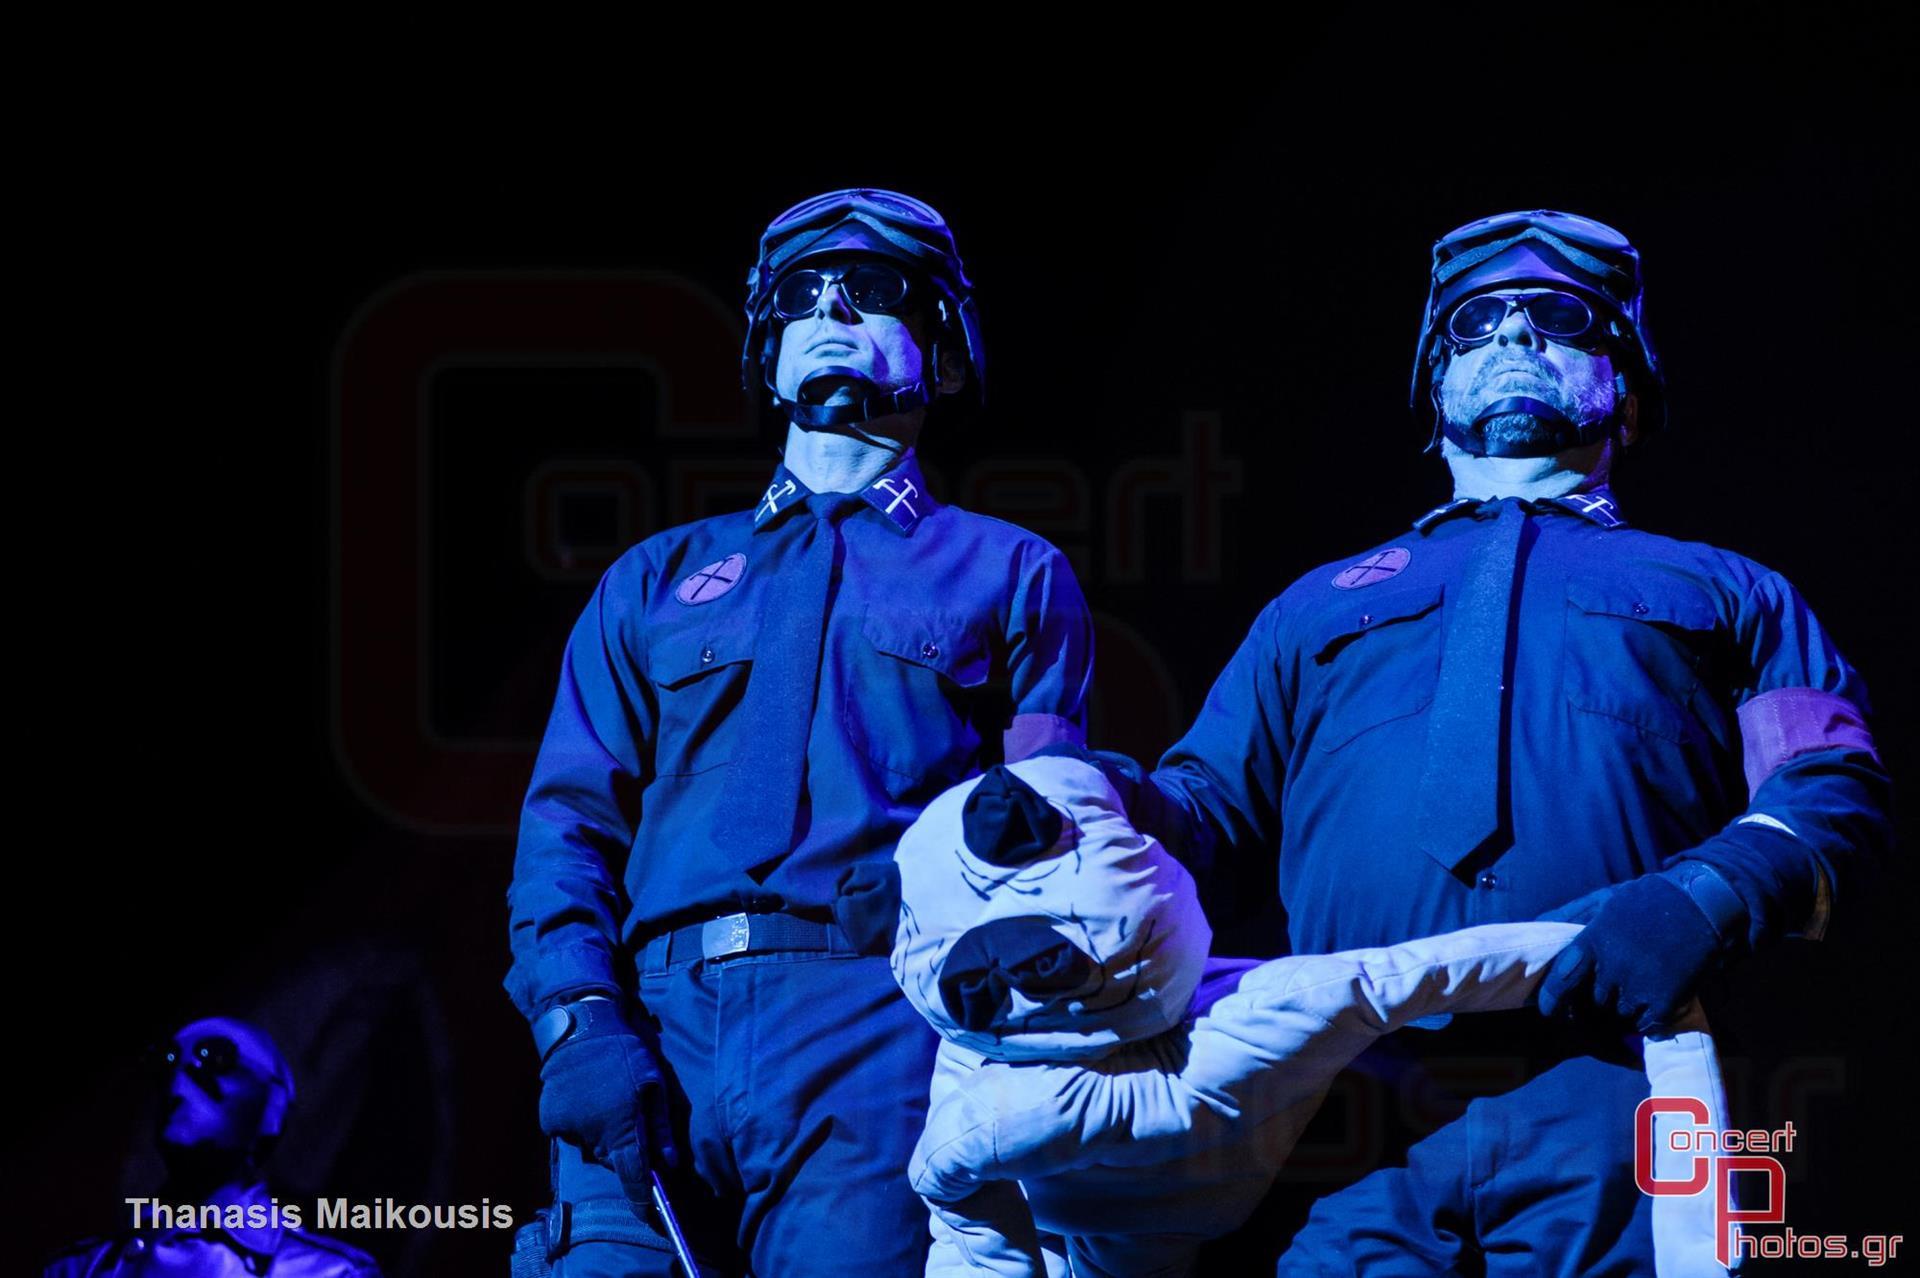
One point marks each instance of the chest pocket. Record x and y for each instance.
(1376, 659)
(699, 674)
(919, 705)
(1634, 651)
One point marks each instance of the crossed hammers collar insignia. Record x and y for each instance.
(899, 490)
(897, 495)
(777, 493)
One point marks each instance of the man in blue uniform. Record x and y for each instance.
(751, 708)
(1524, 707)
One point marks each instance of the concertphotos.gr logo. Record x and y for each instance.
(1712, 1158)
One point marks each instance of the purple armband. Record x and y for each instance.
(1031, 732)
(1787, 722)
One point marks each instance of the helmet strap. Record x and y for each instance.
(869, 402)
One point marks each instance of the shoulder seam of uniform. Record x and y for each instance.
(995, 519)
(1026, 537)
(1761, 578)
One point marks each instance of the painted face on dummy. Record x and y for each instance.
(1518, 361)
(888, 350)
(223, 1085)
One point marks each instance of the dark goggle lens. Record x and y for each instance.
(798, 294)
(876, 288)
(216, 1054)
(1478, 318)
(1558, 314)
(1552, 314)
(872, 288)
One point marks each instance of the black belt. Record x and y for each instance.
(735, 934)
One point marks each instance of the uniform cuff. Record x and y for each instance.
(560, 976)
(1776, 876)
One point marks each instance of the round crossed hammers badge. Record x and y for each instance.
(1378, 566)
(711, 582)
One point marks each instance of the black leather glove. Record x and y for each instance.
(601, 1089)
(867, 906)
(1647, 944)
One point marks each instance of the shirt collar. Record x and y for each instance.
(900, 494)
(1596, 506)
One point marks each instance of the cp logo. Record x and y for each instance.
(390, 743)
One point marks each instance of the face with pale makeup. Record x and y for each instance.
(1518, 361)
(221, 1083)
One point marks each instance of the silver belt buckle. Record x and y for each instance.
(723, 936)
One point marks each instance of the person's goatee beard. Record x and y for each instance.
(1517, 428)
(1507, 430)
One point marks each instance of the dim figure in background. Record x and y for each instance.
(1523, 708)
(225, 1090)
(751, 709)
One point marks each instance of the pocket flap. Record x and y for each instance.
(1668, 602)
(942, 644)
(680, 657)
(1369, 610)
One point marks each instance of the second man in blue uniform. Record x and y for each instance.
(1523, 706)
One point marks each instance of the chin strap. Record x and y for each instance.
(869, 401)
(1563, 432)
(863, 409)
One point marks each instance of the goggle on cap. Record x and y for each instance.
(1037, 924)
(857, 219)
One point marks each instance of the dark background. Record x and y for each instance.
(1189, 227)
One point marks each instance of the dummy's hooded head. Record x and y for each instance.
(1037, 924)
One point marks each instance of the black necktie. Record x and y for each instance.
(776, 713)
(1460, 787)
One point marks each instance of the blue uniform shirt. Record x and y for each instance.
(952, 639)
(1668, 699)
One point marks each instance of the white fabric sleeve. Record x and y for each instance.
(988, 1230)
(1684, 1064)
(1267, 1052)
